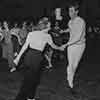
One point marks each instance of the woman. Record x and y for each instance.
(76, 44)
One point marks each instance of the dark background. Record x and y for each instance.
(27, 8)
(90, 9)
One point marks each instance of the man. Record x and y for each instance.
(76, 44)
(58, 22)
(36, 41)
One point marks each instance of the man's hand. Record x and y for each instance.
(61, 31)
(64, 46)
(61, 48)
(16, 61)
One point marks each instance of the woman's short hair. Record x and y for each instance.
(74, 4)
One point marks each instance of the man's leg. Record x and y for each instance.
(49, 58)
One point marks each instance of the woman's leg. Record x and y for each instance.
(75, 53)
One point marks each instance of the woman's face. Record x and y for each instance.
(72, 12)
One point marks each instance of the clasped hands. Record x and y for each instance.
(62, 47)
(16, 60)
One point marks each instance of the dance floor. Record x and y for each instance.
(53, 84)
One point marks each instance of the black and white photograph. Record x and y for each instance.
(49, 50)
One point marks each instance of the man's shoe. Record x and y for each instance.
(74, 93)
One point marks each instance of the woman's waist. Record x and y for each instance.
(81, 41)
(38, 49)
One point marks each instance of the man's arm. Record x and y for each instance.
(22, 50)
(65, 31)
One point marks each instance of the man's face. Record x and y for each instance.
(72, 12)
(58, 11)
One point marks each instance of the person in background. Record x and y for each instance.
(23, 32)
(7, 45)
(15, 39)
(1, 39)
(31, 27)
(1, 32)
(58, 22)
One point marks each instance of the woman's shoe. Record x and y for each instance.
(13, 69)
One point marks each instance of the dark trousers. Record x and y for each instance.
(31, 76)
